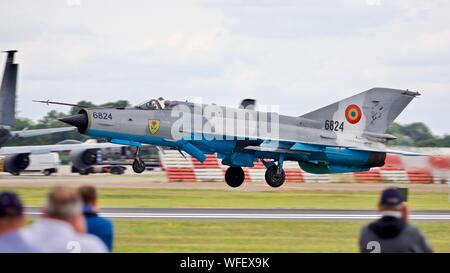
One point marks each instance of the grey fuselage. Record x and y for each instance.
(240, 144)
(345, 136)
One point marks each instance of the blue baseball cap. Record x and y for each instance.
(391, 198)
(10, 205)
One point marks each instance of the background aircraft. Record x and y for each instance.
(346, 136)
(8, 105)
(16, 158)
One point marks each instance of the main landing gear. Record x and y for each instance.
(234, 176)
(275, 175)
(138, 164)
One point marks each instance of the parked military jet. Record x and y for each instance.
(16, 159)
(346, 136)
(8, 105)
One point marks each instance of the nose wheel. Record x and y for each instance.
(275, 177)
(138, 165)
(234, 176)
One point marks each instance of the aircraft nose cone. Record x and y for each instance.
(79, 120)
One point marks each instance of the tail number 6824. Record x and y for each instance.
(334, 125)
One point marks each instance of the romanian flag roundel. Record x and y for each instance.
(353, 113)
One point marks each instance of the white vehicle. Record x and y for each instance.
(44, 163)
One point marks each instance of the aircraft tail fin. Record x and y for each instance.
(8, 91)
(370, 111)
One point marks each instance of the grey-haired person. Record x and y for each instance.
(61, 229)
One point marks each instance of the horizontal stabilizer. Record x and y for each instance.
(39, 132)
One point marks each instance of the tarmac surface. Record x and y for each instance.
(157, 180)
(256, 214)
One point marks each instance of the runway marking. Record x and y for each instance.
(253, 216)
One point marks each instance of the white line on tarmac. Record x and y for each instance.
(429, 217)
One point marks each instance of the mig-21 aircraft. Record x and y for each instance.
(346, 136)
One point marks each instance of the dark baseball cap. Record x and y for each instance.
(391, 198)
(10, 205)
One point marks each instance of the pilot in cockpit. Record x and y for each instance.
(153, 104)
(161, 104)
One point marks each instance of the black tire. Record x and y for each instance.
(138, 166)
(274, 179)
(234, 176)
(15, 173)
(47, 172)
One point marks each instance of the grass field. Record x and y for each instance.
(254, 236)
(188, 198)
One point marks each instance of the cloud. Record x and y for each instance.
(303, 19)
(299, 55)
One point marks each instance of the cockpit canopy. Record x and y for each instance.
(160, 104)
(153, 104)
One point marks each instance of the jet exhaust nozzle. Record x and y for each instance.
(79, 120)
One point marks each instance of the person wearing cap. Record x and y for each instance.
(12, 219)
(392, 233)
(61, 229)
(96, 225)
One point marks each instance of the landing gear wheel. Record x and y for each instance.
(138, 166)
(234, 176)
(273, 178)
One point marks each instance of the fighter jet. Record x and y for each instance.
(8, 105)
(345, 136)
(16, 159)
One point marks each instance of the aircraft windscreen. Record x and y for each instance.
(152, 104)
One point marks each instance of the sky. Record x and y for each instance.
(299, 55)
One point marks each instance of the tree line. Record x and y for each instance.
(416, 134)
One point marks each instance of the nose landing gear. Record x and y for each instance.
(138, 165)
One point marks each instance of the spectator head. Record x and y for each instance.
(89, 195)
(391, 199)
(65, 204)
(11, 212)
(392, 203)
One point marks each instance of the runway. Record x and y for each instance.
(158, 180)
(256, 214)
